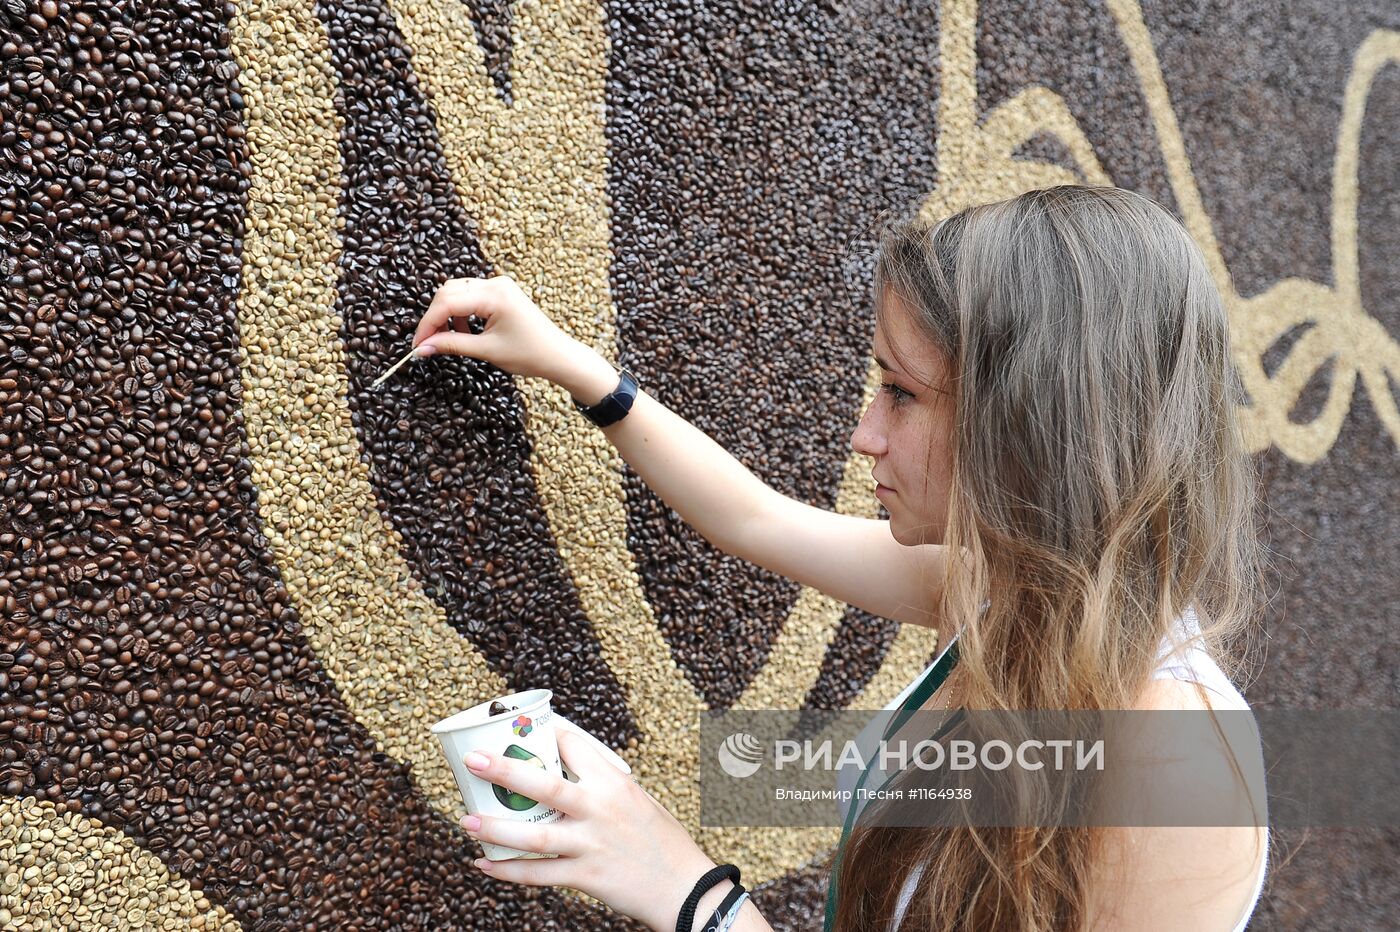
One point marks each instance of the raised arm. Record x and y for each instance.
(854, 560)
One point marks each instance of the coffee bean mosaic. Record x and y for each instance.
(472, 525)
(236, 585)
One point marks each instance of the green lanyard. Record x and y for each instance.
(926, 688)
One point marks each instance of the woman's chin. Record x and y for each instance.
(903, 534)
(916, 536)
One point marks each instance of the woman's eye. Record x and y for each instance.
(895, 392)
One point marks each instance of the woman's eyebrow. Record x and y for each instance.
(888, 368)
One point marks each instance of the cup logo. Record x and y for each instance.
(740, 755)
(521, 726)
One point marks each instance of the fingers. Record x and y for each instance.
(534, 872)
(550, 790)
(549, 838)
(461, 344)
(458, 297)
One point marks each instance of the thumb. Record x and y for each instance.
(580, 756)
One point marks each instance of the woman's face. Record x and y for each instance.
(907, 429)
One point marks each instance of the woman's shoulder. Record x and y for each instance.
(1187, 677)
(1173, 694)
(1168, 877)
(1172, 876)
(1149, 877)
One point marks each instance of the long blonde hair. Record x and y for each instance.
(1100, 488)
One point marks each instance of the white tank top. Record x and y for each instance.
(1182, 657)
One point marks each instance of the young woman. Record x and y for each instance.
(1058, 411)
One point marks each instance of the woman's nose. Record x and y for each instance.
(868, 439)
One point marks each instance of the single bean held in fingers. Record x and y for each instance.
(458, 297)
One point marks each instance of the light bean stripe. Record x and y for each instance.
(397, 663)
(533, 176)
(60, 872)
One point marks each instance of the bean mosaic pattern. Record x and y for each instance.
(237, 586)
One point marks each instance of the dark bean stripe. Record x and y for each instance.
(796, 902)
(855, 653)
(492, 20)
(450, 459)
(1076, 51)
(1332, 525)
(1378, 235)
(757, 186)
(1279, 350)
(1043, 147)
(152, 670)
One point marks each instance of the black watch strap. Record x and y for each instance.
(615, 406)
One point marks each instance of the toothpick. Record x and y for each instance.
(394, 368)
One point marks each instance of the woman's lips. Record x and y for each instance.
(883, 490)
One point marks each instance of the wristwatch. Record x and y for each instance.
(614, 407)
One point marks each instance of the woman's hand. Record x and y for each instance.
(518, 337)
(615, 843)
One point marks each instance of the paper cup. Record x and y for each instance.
(526, 733)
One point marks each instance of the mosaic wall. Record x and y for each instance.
(237, 586)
